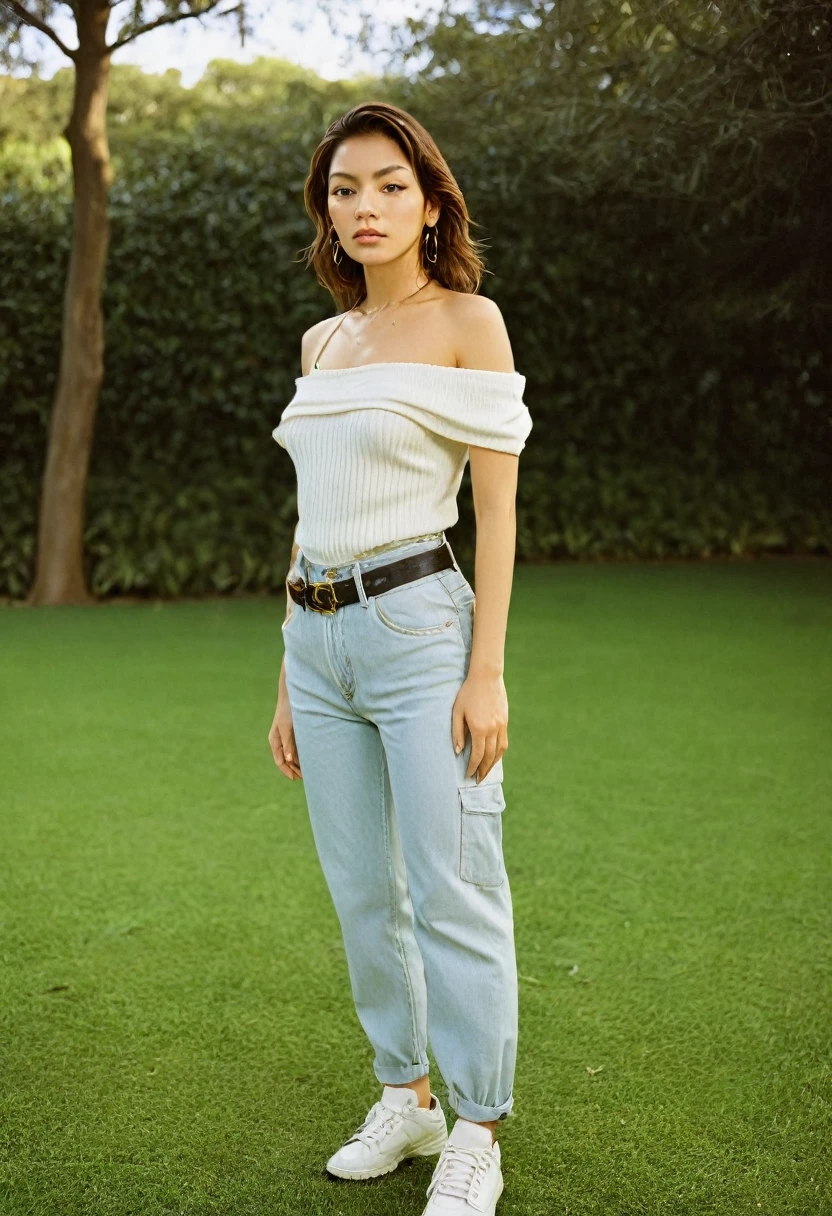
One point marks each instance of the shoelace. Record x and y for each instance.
(460, 1171)
(379, 1122)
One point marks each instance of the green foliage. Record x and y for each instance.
(671, 328)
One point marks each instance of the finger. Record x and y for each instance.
(458, 729)
(502, 732)
(489, 758)
(477, 749)
(291, 754)
(290, 769)
(290, 748)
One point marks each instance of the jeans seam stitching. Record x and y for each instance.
(391, 884)
(453, 594)
(385, 620)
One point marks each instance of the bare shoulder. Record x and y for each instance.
(480, 336)
(313, 340)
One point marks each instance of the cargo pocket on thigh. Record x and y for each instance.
(481, 834)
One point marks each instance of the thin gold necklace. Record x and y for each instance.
(395, 303)
(317, 364)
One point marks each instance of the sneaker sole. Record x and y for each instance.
(430, 1150)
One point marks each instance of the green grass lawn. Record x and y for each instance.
(176, 1028)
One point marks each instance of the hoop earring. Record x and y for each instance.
(435, 257)
(335, 246)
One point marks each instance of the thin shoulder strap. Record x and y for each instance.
(329, 335)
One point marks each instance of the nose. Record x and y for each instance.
(363, 209)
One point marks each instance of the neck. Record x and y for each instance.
(386, 285)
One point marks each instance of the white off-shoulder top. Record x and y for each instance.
(379, 450)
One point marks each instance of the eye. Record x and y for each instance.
(337, 190)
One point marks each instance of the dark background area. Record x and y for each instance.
(659, 247)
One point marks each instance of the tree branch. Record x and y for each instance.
(168, 19)
(30, 19)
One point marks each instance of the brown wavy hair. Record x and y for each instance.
(459, 264)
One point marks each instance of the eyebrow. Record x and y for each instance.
(379, 173)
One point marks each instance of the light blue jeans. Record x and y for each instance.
(410, 847)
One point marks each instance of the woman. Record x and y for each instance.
(389, 697)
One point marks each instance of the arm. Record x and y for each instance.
(290, 603)
(308, 346)
(494, 487)
(482, 703)
(281, 732)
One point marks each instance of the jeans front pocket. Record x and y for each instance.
(461, 594)
(421, 606)
(458, 588)
(481, 834)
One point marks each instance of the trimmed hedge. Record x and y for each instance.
(666, 423)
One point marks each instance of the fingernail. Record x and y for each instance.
(457, 749)
(289, 756)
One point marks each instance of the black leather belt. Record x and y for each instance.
(328, 597)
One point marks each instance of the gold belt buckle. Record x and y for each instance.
(328, 604)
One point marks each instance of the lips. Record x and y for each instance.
(367, 232)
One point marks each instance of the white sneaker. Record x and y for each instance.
(467, 1180)
(396, 1127)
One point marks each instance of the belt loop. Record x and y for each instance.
(304, 575)
(359, 585)
(453, 559)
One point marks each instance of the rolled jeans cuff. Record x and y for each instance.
(399, 1074)
(478, 1114)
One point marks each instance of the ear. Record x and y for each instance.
(432, 212)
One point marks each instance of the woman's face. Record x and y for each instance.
(371, 185)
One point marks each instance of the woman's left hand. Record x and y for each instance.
(482, 706)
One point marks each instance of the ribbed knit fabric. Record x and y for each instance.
(379, 450)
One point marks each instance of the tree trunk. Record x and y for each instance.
(60, 576)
